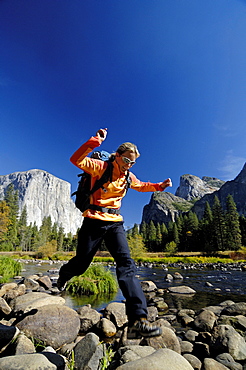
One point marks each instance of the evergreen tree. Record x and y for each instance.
(175, 235)
(35, 237)
(164, 234)
(233, 226)
(135, 230)
(151, 236)
(60, 238)
(144, 231)
(206, 240)
(158, 237)
(192, 232)
(45, 230)
(68, 242)
(242, 221)
(23, 231)
(219, 231)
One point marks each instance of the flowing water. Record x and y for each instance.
(226, 285)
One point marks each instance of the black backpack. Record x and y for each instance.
(83, 192)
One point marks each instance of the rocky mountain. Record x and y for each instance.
(44, 195)
(164, 207)
(193, 187)
(236, 187)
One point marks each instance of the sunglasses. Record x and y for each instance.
(128, 161)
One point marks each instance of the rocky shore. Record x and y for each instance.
(38, 331)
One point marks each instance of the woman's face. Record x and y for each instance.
(126, 160)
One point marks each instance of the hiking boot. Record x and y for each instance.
(142, 328)
(61, 284)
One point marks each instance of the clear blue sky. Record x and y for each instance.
(168, 75)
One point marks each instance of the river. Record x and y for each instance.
(226, 285)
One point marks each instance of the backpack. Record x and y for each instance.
(83, 192)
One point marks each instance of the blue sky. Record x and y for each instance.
(168, 75)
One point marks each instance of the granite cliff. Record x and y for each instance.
(164, 207)
(44, 195)
(236, 187)
(192, 187)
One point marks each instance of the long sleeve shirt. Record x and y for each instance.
(113, 192)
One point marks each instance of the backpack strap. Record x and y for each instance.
(106, 176)
(128, 180)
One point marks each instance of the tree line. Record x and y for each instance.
(16, 235)
(217, 230)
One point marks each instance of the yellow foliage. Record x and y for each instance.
(48, 249)
(136, 246)
(4, 219)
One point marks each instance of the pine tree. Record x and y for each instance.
(144, 231)
(206, 239)
(164, 234)
(60, 238)
(135, 230)
(151, 236)
(175, 235)
(45, 231)
(219, 225)
(23, 231)
(233, 226)
(158, 237)
(242, 221)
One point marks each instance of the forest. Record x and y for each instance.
(217, 230)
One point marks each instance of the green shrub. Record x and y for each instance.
(96, 280)
(9, 268)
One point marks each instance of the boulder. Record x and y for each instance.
(193, 360)
(34, 361)
(211, 364)
(88, 352)
(182, 289)
(106, 327)
(6, 287)
(53, 325)
(88, 318)
(4, 307)
(148, 286)
(34, 300)
(116, 312)
(227, 360)
(226, 339)
(155, 361)
(166, 339)
(205, 320)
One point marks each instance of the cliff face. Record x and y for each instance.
(44, 195)
(193, 187)
(164, 207)
(236, 187)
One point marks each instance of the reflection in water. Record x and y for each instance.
(98, 301)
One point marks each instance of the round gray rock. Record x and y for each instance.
(54, 325)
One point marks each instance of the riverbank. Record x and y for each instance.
(192, 339)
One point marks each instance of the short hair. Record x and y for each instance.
(128, 147)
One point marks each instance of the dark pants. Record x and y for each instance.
(90, 237)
